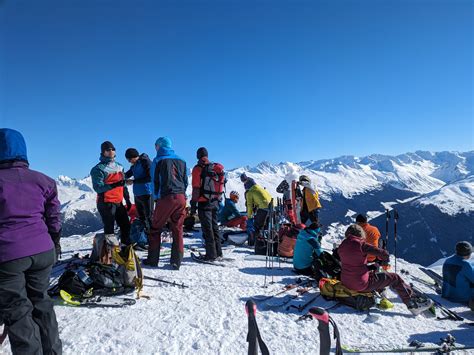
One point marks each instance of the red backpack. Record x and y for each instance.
(212, 181)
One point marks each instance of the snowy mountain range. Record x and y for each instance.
(433, 193)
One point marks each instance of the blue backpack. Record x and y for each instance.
(137, 233)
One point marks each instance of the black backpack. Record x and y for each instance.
(326, 265)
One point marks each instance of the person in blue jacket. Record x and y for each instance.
(142, 185)
(229, 215)
(308, 243)
(458, 276)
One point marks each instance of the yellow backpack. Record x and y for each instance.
(332, 289)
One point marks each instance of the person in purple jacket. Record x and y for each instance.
(30, 230)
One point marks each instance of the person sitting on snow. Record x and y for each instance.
(356, 276)
(458, 276)
(308, 244)
(229, 215)
(311, 204)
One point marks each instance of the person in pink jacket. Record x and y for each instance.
(356, 276)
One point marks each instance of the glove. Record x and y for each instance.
(117, 184)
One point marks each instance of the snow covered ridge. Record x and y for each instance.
(457, 197)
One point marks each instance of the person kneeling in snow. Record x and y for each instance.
(355, 274)
(229, 215)
(458, 276)
(308, 243)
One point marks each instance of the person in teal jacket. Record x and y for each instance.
(229, 215)
(458, 276)
(308, 243)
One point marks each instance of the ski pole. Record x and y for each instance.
(173, 283)
(387, 219)
(395, 220)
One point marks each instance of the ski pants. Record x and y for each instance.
(115, 212)
(379, 280)
(25, 306)
(240, 222)
(144, 206)
(260, 220)
(306, 271)
(172, 209)
(207, 213)
(313, 216)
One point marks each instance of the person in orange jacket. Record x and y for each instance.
(372, 234)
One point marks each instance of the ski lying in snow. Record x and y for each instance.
(438, 279)
(172, 283)
(96, 301)
(428, 349)
(303, 306)
(449, 313)
(299, 283)
(431, 284)
(200, 259)
(254, 257)
(288, 298)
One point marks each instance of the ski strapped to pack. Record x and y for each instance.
(253, 336)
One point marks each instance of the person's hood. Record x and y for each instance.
(12, 146)
(164, 151)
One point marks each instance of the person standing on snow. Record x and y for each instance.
(258, 202)
(206, 202)
(356, 276)
(311, 204)
(170, 181)
(142, 185)
(108, 181)
(229, 215)
(458, 276)
(30, 228)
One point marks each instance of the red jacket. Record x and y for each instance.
(196, 180)
(353, 253)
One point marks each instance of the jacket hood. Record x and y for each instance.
(12, 145)
(164, 151)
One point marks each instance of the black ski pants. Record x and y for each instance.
(210, 230)
(25, 306)
(144, 206)
(115, 212)
(313, 216)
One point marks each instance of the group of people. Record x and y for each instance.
(364, 266)
(30, 230)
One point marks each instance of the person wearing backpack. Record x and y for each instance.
(108, 181)
(229, 215)
(311, 204)
(142, 186)
(170, 181)
(356, 276)
(208, 180)
(30, 230)
(308, 244)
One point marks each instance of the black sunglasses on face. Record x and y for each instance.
(110, 150)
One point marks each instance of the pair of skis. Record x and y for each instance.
(96, 301)
(395, 222)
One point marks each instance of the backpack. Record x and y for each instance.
(332, 289)
(71, 282)
(103, 245)
(212, 181)
(287, 235)
(137, 233)
(129, 267)
(326, 265)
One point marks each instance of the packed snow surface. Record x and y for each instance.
(209, 316)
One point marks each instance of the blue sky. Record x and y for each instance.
(250, 80)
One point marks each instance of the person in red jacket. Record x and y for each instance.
(356, 276)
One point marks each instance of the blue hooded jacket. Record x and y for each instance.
(141, 172)
(168, 173)
(458, 279)
(307, 242)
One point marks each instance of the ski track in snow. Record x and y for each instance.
(209, 317)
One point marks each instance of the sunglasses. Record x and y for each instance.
(110, 150)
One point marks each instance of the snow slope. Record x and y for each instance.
(209, 317)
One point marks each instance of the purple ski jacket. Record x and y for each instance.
(29, 205)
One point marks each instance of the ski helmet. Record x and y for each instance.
(304, 178)
(234, 194)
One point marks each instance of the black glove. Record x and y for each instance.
(117, 184)
(56, 237)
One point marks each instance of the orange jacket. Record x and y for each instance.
(372, 236)
(196, 180)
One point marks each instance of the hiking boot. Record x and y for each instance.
(175, 266)
(419, 305)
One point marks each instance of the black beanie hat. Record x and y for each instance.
(361, 218)
(201, 152)
(131, 153)
(463, 248)
(106, 145)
